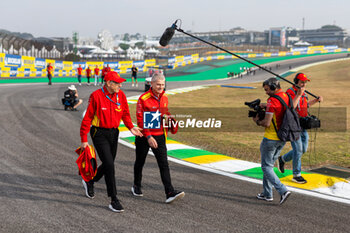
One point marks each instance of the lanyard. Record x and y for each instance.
(110, 98)
(157, 98)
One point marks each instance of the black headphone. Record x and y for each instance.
(296, 80)
(273, 83)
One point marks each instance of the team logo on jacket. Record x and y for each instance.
(151, 120)
(118, 109)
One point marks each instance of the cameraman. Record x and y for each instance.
(72, 96)
(271, 145)
(300, 100)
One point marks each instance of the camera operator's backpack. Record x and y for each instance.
(290, 128)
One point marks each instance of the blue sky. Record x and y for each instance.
(151, 17)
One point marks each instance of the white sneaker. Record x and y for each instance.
(137, 85)
(284, 197)
(175, 195)
(261, 196)
(132, 85)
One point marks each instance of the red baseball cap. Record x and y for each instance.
(302, 77)
(114, 76)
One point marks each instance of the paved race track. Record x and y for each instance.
(40, 190)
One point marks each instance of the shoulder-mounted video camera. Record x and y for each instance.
(257, 110)
(310, 122)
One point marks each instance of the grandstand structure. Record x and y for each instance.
(236, 36)
(276, 36)
(24, 44)
(326, 35)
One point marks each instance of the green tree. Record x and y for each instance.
(126, 37)
(72, 57)
(139, 44)
(124, 46)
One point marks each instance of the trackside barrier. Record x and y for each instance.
(180, 61)
(24, 66)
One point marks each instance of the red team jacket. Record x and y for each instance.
(104, 113)
(97, 71)
(106, 70)
(79, 70)
(302, 106)
(88, 72)
(148, 102)
(275, 107)
(49, 69)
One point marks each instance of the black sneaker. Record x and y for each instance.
(261, 196)
(175, 195)
(299, 180)
(280, 164)
(284, 197)
(136, 191)
(115, 206)
(89, 188)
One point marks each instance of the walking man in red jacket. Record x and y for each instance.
(107, 107)
(155, 104)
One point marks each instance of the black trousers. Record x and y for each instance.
(106, 143)
(49, 76)
(161, 155)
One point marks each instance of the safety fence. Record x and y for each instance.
(179, 61)
(24, 66)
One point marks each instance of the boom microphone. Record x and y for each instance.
(169, 32)
(167, 35)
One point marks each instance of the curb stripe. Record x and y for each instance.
(232, 166)
(313, 181)
(188, 153)
(207, 159)
(178, 146)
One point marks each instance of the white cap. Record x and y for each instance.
(72, 87)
